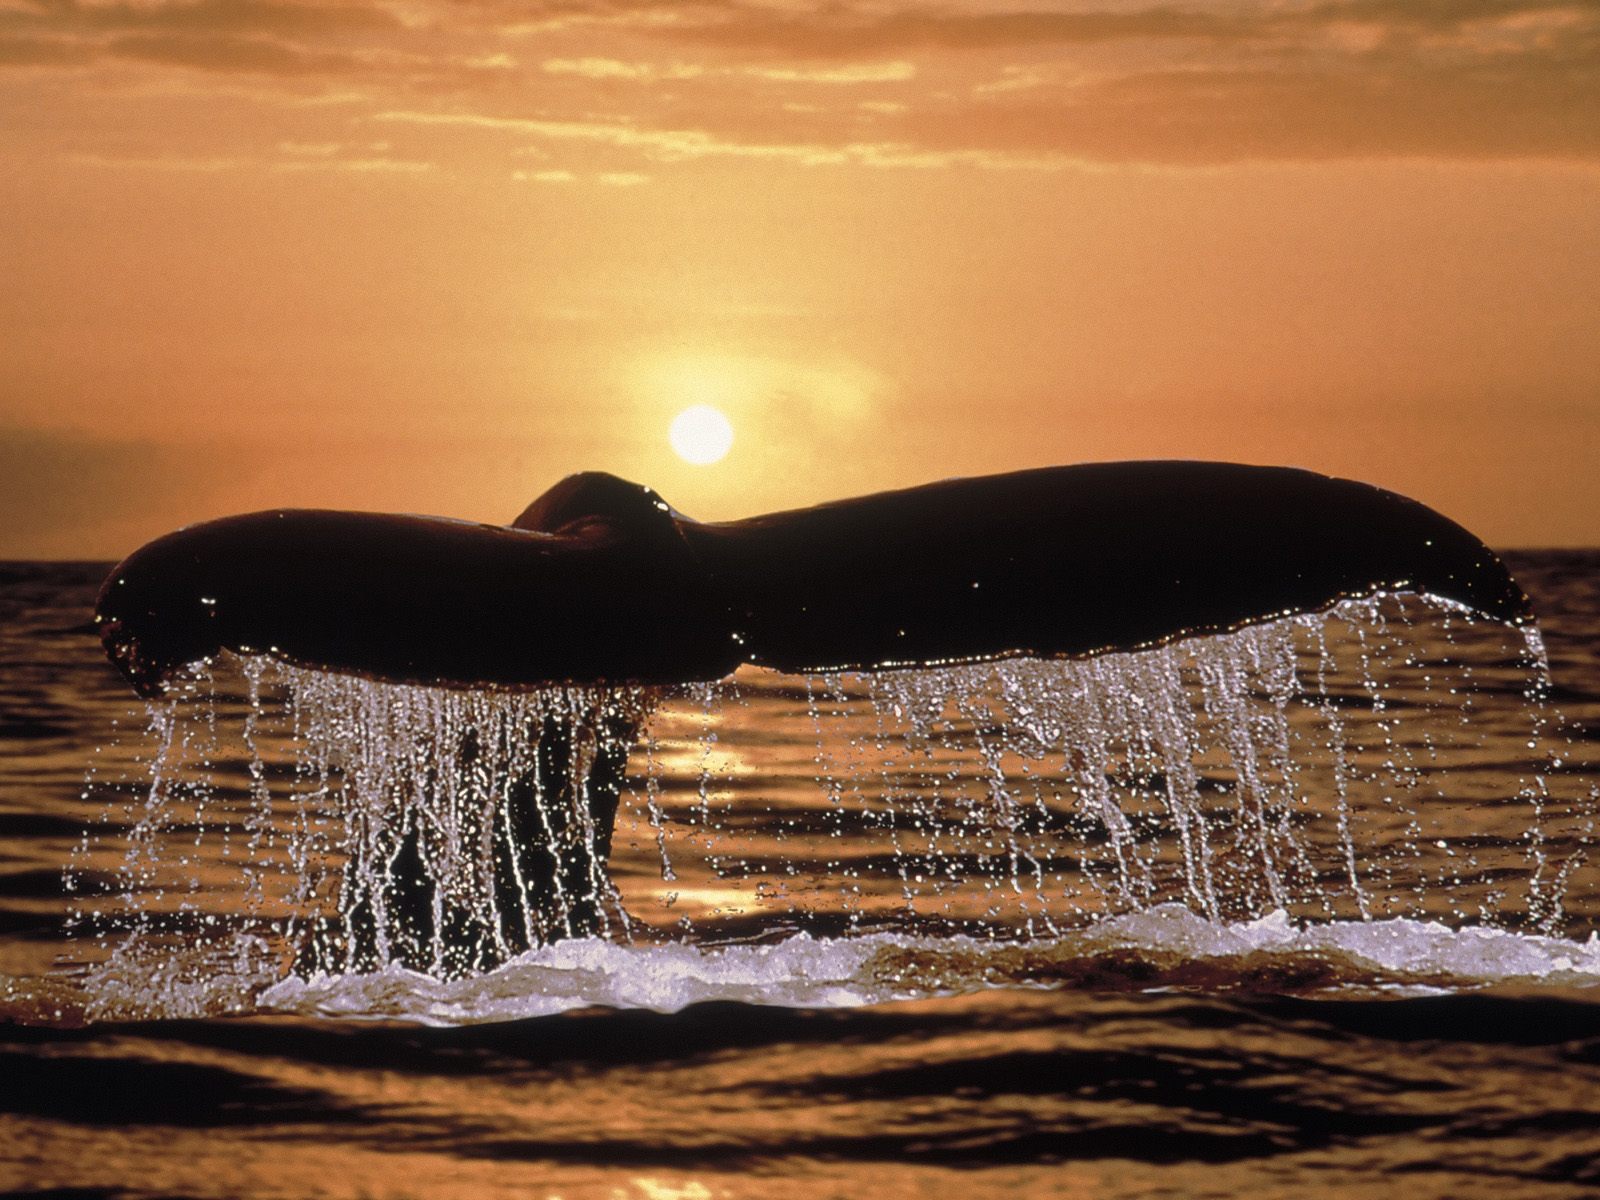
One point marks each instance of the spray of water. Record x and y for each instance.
(370, 826)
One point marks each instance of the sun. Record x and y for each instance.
(700, 435)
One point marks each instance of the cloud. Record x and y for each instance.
(43, 52)
(844, 30)
(359, 166)
(976, 85)
(229, 53)
(207, 16)
(1487, 79)
(881, 72)
(311, 149)
(1468, 111)
(275, 37)
(667, 145)
(647, 72)
(611, 68)
(840, 31)
(685, 145)
(318, 161)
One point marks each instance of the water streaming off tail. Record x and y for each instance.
(471, 826)
(1332, 768)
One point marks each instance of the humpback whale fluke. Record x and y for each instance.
(601, 581)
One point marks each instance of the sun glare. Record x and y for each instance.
(700, 435)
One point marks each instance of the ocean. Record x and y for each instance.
(1310, 909)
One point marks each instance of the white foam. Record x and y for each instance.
(800, 972)
(848, 972)
(1402, 947)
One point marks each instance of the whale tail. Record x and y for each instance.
(601, 581)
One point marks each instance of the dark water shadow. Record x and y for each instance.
(97, 1090)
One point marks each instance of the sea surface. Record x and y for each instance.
(1313, 910)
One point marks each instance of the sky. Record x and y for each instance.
(433, 255)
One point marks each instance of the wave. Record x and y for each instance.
(1165, 948)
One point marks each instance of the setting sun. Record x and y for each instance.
(701, 435)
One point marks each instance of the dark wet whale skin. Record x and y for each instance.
(601, 581)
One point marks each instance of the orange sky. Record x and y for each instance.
(432, 255)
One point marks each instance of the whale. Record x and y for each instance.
(600, 581)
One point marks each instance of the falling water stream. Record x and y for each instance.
(1305, 791)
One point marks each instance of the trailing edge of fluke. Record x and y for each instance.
(601, 581)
